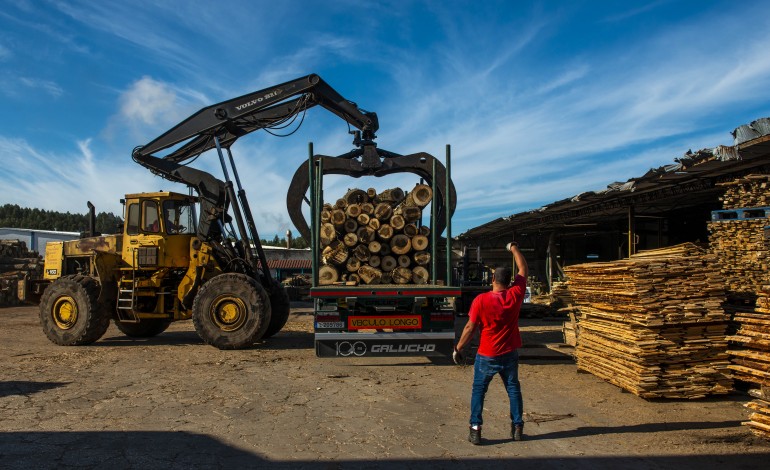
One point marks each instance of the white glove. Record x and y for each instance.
(458, 357)
(510, 245)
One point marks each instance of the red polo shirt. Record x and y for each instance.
(497, 313)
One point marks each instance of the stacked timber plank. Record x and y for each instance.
(749, 191)
(750, 357)
(653, 323)
(368, 237)
(739, 244)
(16, 263)
(741, 249)
(759, 420)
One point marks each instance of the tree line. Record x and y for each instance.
(14, 216)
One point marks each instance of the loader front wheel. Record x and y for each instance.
(280, 308)
(231, 311)
(70, 313)
(146, 328)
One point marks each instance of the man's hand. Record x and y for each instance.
(458, 357)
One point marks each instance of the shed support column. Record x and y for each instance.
(631, 230)
(549, 259)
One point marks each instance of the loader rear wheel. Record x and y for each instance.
(231, 311)
(146, 328)
(70, 313)
(280, 308)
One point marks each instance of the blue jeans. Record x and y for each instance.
(484, 370)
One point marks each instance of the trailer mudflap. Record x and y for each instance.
(431, 344)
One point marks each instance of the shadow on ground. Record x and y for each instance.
(23, 387)
(184, 450)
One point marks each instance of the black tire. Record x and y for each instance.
(231, 311)
(280, 307)
(146, 328)
(70, 313)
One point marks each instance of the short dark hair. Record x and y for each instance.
(503, 275)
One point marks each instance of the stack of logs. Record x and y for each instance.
(653, 323)
(368, 237)
(759, 420)
(16, 263)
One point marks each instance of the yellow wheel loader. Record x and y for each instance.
(183, 256)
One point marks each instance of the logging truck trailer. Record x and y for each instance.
(361, 319)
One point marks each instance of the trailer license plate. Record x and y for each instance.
(395, 322)
(334, 325)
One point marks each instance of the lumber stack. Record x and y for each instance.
(740, 252)
(368, 237)
(750, 354)
(749, 191)
(16, 263)
(759, 419)
(653, 323)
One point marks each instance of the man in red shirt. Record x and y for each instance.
(496, 313)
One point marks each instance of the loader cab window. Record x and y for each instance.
(178, 216)
(151, 220)
(132, 219)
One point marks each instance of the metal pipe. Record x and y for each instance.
(433, 224)
(448, 211)
(313, 225)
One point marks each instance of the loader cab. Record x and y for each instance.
(158, 230)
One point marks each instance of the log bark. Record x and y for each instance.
(335, 253)
(355, 196)
(388, 263)
(400, 244)
(397, 222)
(327, 234)
(385, 232)
(420, 275)
(419, 242)
(327, 275)
(420, 196)
(353, 264)
(421, 258)
(350, 240)
(392, 196)
(350, 225)
(370, 275)
(383, 211)
(402, 275)
(362, 253)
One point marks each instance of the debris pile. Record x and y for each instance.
(653, 323)
(368, 237)
(16, 263)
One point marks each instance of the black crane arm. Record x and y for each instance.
(232, 119)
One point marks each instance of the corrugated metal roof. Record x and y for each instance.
(689, 181)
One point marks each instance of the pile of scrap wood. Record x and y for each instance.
(368, 237)
(653, 323)
(16, 263)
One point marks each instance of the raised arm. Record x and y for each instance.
(521, 263)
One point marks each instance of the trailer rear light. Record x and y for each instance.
(324, 317)
(442, 316)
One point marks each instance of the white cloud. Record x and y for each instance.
(48, 86)
(149, 102)
(5, 53)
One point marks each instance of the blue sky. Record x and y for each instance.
(539, 100)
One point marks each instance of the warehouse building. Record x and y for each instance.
(666, 206)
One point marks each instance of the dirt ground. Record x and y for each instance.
(173, 402)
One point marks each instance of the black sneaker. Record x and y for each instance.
(517, 432)
(474, 436)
